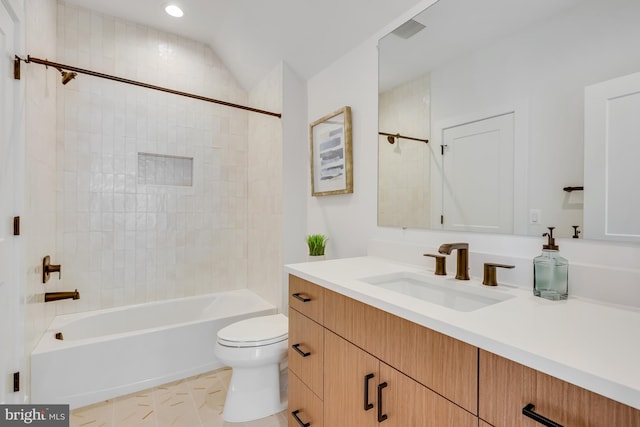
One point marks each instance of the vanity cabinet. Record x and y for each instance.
(305, 354)
(361, 391)
(361, 366)
(506, 387)
(351, 364)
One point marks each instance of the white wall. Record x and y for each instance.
(606, 271)
(39, 218)
(264, 233)
(122, 242)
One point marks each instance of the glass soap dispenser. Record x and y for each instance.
(550, 272)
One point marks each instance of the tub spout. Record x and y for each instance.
(56, 296)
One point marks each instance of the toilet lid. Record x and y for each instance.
(254, 332)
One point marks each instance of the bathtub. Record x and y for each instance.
(112, 352)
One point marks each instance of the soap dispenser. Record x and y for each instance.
(550, 271)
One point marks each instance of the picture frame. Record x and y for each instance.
(331, 154)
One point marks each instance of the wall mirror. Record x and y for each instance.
(498, 89)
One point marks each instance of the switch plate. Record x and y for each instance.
(535, 216)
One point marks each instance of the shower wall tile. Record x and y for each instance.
(124, 235)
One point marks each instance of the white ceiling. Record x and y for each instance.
(253, 36)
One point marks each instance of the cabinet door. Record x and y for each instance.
(571, 405)
(306, 353)
(407, 403)
(347, 377)
(303, 404)
(506, 387)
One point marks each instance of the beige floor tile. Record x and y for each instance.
(136, 409)
(192, 402)
(96, 415)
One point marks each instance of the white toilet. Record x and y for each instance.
(254, 348)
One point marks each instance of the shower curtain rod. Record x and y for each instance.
(48, 63)
(397, 135)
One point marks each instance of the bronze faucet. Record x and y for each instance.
(462, 263)
(490, 276)
(56, 296)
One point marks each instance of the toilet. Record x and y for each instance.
(255, 349)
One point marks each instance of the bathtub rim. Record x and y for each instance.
(48, 342)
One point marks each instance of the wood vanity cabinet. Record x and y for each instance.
(506, 387)
(351, 364)
(375, 367)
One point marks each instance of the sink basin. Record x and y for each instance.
(447, 292)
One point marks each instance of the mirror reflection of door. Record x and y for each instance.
(478, 175)
(611, 173)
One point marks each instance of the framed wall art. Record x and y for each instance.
(331, 154)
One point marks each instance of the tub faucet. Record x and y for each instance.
(462, 262)
(56, 296)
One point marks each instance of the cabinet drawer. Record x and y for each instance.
(444, 364)
(303, 404)
(306, 350)
(307, 298)
(506, 387)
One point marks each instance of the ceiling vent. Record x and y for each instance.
(408, 29)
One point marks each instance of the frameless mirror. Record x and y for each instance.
(497, 88)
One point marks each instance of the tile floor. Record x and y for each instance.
(192, 402)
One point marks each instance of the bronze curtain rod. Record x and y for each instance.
(397, 135)
(132, 82)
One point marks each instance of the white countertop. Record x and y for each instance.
(592, 345)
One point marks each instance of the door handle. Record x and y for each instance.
(528, 411)
(367, 405)
(300, 297)
(295, 415)
(381, 416)
(296, 347)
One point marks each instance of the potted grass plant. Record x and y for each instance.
(316, 243)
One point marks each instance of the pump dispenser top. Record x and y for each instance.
(551, 242)
(550, 271)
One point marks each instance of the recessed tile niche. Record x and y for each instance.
(158, 169)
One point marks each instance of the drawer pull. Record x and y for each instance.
(300, 297)
(296, 347)
(367, 405)
(528, 411)
(381, 416)
(295, 415)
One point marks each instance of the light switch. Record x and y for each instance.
(535, 216)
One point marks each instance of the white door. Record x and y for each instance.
(611, 158)
(8, 283)
(478, 178)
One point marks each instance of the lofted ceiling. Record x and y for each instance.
(253, 36)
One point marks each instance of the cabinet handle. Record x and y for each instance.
(295, 415)
(381, 416)
(300, 352)
(367, 405)
(528, 411)
(300, 297)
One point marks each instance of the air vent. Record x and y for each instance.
(408, 29)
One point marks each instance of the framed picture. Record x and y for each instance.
(331, 154)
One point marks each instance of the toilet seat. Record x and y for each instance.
(255, 332)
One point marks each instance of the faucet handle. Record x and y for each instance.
(490, 276)
(441, 264)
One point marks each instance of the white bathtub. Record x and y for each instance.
(108, 353)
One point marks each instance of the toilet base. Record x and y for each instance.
(254, 393)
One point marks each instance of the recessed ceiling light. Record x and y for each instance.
(174, 11)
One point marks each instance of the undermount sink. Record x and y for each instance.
(447, 292)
